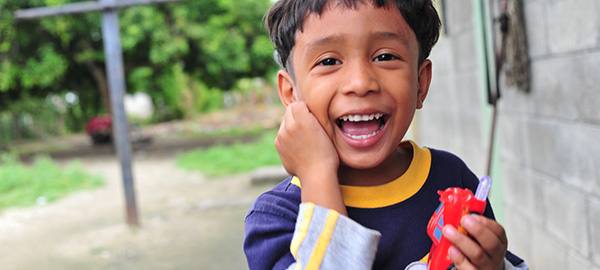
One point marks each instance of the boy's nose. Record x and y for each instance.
(360, 80)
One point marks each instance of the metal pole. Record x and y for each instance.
(116, 82)
(116, 77)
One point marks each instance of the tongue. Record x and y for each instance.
(360, 128)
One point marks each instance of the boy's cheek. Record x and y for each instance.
(318, 104)
(327, 126)
(322, 117)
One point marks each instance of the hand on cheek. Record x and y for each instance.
(484, 248)
(307, 151)
(302, 143)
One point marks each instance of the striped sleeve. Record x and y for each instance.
(324, 239)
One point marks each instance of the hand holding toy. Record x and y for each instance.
(455, 203)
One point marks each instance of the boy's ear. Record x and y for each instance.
(285, 85)
(424, 81)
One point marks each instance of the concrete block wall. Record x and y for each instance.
(452, 117)
(549, 139)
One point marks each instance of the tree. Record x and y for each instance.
(170, 51)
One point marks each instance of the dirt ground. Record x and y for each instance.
(187, 221)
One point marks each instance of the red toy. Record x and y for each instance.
(455, 203)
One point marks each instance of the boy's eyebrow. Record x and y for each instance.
(325, 40)
(391, 36)
(384, 35)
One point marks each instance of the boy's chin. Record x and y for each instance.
(376, 159)
(360, 163)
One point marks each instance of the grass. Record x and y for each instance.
(222, 159)
(42, 182)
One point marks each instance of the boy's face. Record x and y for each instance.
(360, 64)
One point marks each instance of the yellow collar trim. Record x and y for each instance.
(393, 192)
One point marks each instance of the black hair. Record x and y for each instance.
(287, 16)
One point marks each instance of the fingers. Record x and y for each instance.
(487, 232)
(297, 113)
(302, 143)
(283, 127)
(461, 243)
(284, 136)
(485, 246)
(291, 118)
(294, 109)
(299, 117)
(459, 259)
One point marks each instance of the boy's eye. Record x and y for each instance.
(385, 57)
(329, 62)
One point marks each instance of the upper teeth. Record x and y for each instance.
(357, 118)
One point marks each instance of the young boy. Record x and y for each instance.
(354, 73)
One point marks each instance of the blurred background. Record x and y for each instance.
(521, 105)
(203, 114)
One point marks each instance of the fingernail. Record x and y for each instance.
(449, 230)
(467, 221)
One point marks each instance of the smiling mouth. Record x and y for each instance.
(360, 127)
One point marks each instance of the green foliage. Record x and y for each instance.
(5, 128)
(229, 159)
(207, 99)
(195, 50)
(182, 54)
(44, 181)
(184, 94)
(36, 117)
(44, 70)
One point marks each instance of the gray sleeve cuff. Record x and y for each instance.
(324, 239)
